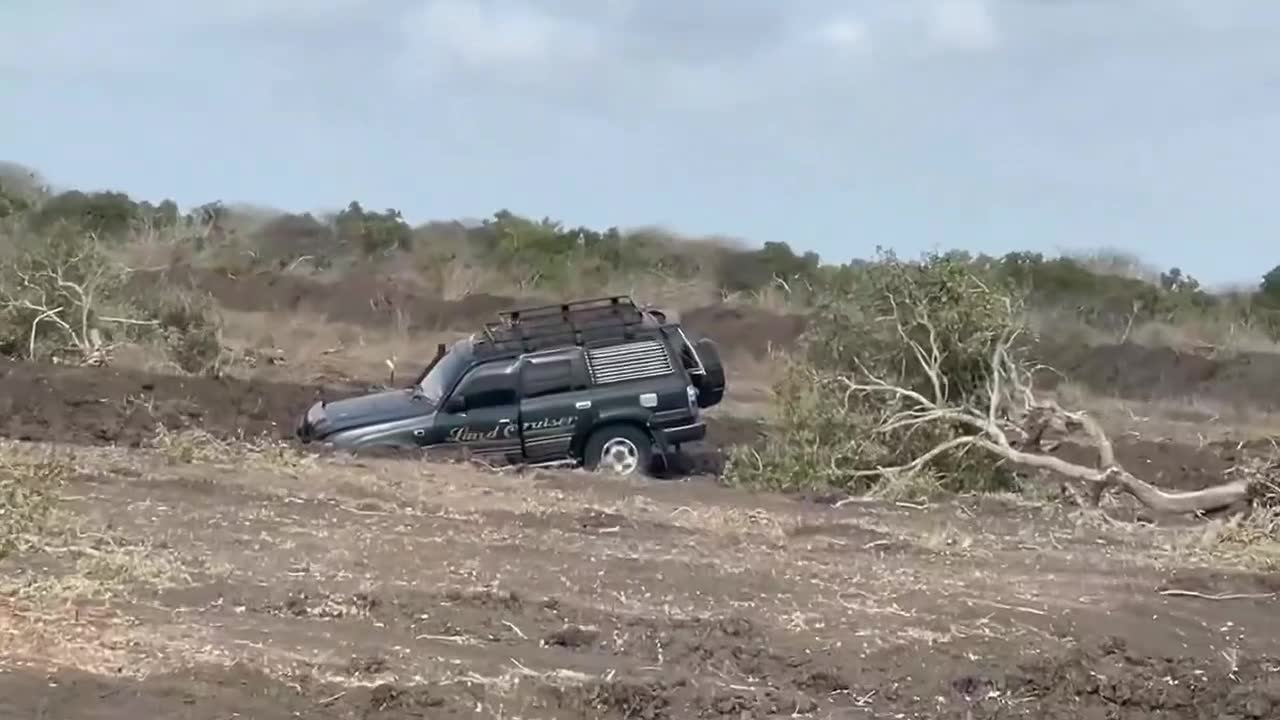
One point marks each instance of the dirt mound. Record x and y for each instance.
(96, 406)
(1137, 372)
(361, 298)
(368, 298)
(744, 329)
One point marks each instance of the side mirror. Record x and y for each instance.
(455, 404)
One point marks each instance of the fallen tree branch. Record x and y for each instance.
(1226, 596)
(1010, 398)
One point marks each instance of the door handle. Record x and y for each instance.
(505, 420)
(582, 404)
(419, 433)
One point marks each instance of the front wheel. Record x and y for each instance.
(622, 450)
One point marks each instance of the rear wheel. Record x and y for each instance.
(622, 450)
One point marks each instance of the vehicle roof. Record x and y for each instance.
(595, 322)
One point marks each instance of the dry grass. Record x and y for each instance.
(1217, 336)
(28, 493)
(193, 446)
(307, 346)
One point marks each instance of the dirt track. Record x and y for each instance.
(381, 588)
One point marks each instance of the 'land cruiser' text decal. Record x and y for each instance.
(507, 430)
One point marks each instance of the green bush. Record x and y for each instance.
(373, 233)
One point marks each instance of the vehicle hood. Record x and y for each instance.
(372, 409)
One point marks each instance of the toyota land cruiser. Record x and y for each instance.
(600, 382)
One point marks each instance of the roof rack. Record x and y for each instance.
(581, 322)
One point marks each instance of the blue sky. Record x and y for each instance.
(1151, 126)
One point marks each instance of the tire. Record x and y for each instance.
(711, 386)
(621, 450)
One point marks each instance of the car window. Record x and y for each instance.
(488, 386)
(547, 377)
(491, 397)
(444, 375)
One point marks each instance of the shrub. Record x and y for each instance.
(190, 329)
(871, 327)
(54, 288)
(62, 297)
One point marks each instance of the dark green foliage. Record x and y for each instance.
(373, 233)
(1105, 301)
(1269, 288)
(745, 270)
(103, 213)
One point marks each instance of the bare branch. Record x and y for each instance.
(991, 426)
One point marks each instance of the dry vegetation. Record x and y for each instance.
(905, 514)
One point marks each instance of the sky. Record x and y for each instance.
(1147, 126)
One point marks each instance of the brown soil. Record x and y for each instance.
(1137, 372)
(126, 407)
(745, 330)
(388, 589)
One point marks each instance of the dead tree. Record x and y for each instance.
(65, 292)
(1008, 419)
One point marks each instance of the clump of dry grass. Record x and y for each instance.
(28, 492)
(195, 446)
(1255, 535)
(97, 566)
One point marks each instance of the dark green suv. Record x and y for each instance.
(599, 382)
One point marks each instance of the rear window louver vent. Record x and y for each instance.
(631, 361)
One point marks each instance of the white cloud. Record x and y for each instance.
(147, 35)
(496, 34)
(963, 25)
(844, 34)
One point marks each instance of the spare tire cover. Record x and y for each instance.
(711, 386)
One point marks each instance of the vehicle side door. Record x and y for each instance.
(482, 413)
(556, 407)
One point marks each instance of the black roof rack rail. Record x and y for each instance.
(582, 322)
(616, 304)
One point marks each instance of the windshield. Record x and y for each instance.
(445, 373)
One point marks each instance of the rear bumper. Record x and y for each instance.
(685, 433)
